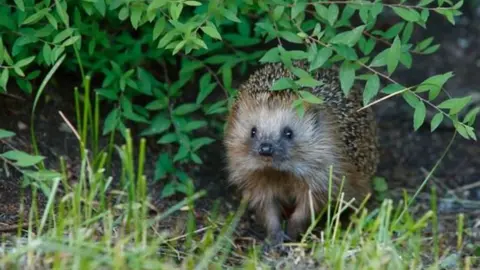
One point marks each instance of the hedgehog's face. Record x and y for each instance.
(276, 138)
(271, 145)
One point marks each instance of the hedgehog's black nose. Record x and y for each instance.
(266, 149)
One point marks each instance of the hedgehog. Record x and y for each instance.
(284, 161)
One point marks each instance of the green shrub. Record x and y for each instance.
(156, 50)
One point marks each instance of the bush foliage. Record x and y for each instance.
(155, 50)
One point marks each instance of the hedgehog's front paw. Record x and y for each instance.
(274, 242)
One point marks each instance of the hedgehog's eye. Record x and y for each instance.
(288, 133)
(253, 132)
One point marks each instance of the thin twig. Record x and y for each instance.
(210, 70)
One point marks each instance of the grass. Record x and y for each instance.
(90, 224)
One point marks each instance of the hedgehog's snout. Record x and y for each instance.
(266, 149)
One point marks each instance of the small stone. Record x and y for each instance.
(21, 125)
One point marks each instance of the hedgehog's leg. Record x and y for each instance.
(299, 220)
(270, 215)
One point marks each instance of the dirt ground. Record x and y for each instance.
(406, 156)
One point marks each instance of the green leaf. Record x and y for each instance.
(135, 15)
(291, 37)
(47, 53)
(62, 12)
(348, 38)
(160, 123)
(192, 3)
(471, 132)
(193, 125)
(6, 133)
(333, 12)
(178, 47)
(35, 17)
(371, 88)
(376, 9)
(20, 5)
(424, 15)
(432, 49)
(462, 130)
(394, 30)
(25, 61)
(425, 2)
(364, 13)
(185, 109)
(381, 59)
(53, 22)
(298, 8)
(419, 115)
(230, 15)
(167, 38)
(199, 142)
(310, 98)
(346, 52)
(211, 30)
(455, 104)
(271, 56)
(62, 35)
(156, 4)
(42, 175)
(218, 59)
(277, 12)
(100, 6)
(22, 159)
(298, 55)
(282, 83)
(195, 158)
(449, 15)
(111, 121)
(320, 58)
(163, 166)
(411, 98)
(471, 116)
(18, 71)
(305, 79)
(70, 41)
(380, 184)
(436, 121)
(168, 138)
(393, 55)
(4, 79)
(205, 88)
(409, 15)
(227, 76)
(168, 190)
(321, 10)
(406, 59)
(367, 46)
(158, 104)
(392, 88)
(123, 13)
(434, 84)
(308, 82)
(175, 10)
(347, 76)
(215, 108)
(423, 44)
(159, 27)
(407, 32)
(181, 153)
